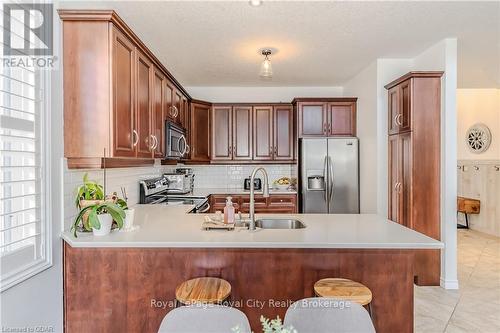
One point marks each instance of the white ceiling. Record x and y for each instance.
(319, 43)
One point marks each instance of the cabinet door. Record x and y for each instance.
(184, 113)
(200, 132)
(124, 132)
(169, 101)
(405, 190)
(144, 105)
(242, 133)
(404, 120)
(342, 119)
(263, 148)
(158, 114)
(312, 119)
(394, 105)
(394, 165)
(222, 140)
(283, 133)
(178, 107)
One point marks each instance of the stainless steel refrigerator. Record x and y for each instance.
(329, 175)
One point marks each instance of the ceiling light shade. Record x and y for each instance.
(255, 3)
(266, 70)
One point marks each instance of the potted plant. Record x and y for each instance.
(97, 211)
(100, 218)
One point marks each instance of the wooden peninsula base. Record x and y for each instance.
(132, 289)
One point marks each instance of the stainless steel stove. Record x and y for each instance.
(156, 191)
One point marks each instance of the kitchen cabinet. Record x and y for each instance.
(116, 97)
(232, 133)
(283, 133)
(222, 133)
(322, 117)
(200, 131)
(273, 133)
(263, 133)
(414, 152)
(125, 134)
(158, 113)
(143, 102)
(242, 132)
(275, 203)
(400, 109)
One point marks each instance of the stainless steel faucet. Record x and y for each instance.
(252, 190)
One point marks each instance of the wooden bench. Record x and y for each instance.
(467, 206)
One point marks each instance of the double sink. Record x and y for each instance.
(271, 223)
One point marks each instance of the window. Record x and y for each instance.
(25, 237)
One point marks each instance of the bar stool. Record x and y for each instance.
(210, 290)
(345, 289)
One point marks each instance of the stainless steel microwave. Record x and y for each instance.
(176, 143)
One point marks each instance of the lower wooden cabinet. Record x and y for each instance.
(275, 203)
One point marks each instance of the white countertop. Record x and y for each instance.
(171, 226)
(203, 192)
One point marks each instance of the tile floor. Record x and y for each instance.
(476, 306)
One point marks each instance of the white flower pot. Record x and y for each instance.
(128, 222)
(106, 221)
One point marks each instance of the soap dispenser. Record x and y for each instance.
(229, 211)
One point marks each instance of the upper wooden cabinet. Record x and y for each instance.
(273, 133)
(253, 133)
(414, 151)
(400, 108)
(200, 131)
(222, 133)
(320, 117)
(115, 93)
(158, 113)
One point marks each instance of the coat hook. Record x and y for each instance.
(476, 167)
(497, 168)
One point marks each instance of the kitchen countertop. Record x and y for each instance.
(238, 191)
(171, 226)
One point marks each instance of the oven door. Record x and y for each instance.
(176, 143)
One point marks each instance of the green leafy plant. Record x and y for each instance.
(106, 207)
(89, 190)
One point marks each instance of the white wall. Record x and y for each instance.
(478, 106)
(363, 86)
(260, 94)
(38, 301)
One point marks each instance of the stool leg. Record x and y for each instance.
(466, 221)
(176, 303)
(370, 312)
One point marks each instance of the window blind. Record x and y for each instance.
(23, 223)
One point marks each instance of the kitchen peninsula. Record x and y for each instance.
(114, 279)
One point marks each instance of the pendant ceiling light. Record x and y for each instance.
(266, 70)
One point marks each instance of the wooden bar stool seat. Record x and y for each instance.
(203, 290)
(344, 289)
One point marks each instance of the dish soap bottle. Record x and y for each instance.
(229, 211)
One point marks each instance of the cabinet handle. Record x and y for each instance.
(152, 145)
(329, 129)
(174, 112)
(275, 151)
(398, 119)
(396, 186)
(325, 128)
(188, 149)
(155, 142)
(135, 138)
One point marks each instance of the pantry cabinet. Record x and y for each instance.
(323, 117)
(116, 93)
(414, 153)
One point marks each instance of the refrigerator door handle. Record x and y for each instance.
(325, 177)
(330, 176)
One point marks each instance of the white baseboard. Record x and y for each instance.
(448, 284)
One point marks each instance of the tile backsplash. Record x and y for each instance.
(232, 176)
(206, 176)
